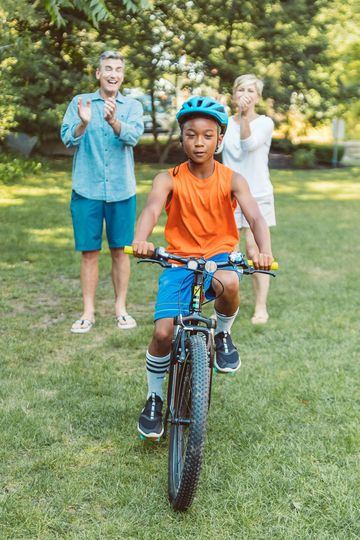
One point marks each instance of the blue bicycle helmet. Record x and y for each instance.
(204, 106)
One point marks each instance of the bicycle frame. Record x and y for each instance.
(193, 323)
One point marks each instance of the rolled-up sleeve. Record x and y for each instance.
(70, 122)
(133, 127)
(259, 135)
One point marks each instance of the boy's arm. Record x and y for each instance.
(258, 226)
(162, 187)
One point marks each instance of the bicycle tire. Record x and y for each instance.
(191, 401)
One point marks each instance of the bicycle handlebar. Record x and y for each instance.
(161, 256)
(274, 264)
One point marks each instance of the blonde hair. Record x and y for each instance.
(249, 78)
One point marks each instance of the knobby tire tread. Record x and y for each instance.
(181, 496)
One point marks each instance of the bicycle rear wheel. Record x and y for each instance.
(190, 383)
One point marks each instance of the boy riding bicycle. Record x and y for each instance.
(200, 197)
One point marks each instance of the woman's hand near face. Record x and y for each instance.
(244, 103)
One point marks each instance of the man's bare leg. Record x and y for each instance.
(89, 277)
(120, 274)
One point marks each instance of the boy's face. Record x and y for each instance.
(200, 138)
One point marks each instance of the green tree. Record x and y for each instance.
(47, 51)
(94, 11)
(45, 64)
(154, 52)
(344, 50)
(283, 42)
(305, 50)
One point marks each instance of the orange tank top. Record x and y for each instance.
(201, 213)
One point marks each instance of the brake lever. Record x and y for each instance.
(251, 270)
(161, 263)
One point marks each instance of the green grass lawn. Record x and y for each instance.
(282, 455)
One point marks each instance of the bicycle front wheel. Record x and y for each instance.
(190, 384)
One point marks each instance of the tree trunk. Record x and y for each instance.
(153, 118)
(169, 144)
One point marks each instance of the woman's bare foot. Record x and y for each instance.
(261, 317)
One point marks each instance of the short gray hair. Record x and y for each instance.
(111, 54)
(249, 78)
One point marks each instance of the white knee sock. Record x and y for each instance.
(224, 323)
(156, 367)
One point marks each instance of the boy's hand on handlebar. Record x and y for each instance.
(262, 261)
(143, 249)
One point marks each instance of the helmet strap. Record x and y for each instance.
(218, 136)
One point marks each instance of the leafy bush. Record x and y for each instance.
(324, 152)
(13, 169)
(282, 146)
(145, 152)
(304, 158)
(302, 153)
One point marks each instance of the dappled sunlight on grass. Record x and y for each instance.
(342, 191)
(6, 201)
(333, 187)
(17, 194)
(287, 188)
(36, 191)
(9, 265)
(59, 236)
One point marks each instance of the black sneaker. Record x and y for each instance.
(150, 421)
(227, 359)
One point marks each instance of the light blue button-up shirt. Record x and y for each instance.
(103, 164)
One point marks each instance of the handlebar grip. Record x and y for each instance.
(274, 266)
(128, 250)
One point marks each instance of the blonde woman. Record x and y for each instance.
(246, 150)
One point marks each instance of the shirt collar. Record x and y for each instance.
(119, 97)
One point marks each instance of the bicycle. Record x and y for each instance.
(190, 375)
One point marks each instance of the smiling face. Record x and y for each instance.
(200, 137)
(110, 74)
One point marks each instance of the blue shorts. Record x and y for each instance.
(88, 218)
(175, 286)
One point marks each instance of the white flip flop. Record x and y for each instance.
(125, 322)
(81, 326)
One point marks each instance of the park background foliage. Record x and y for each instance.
(306, 51)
